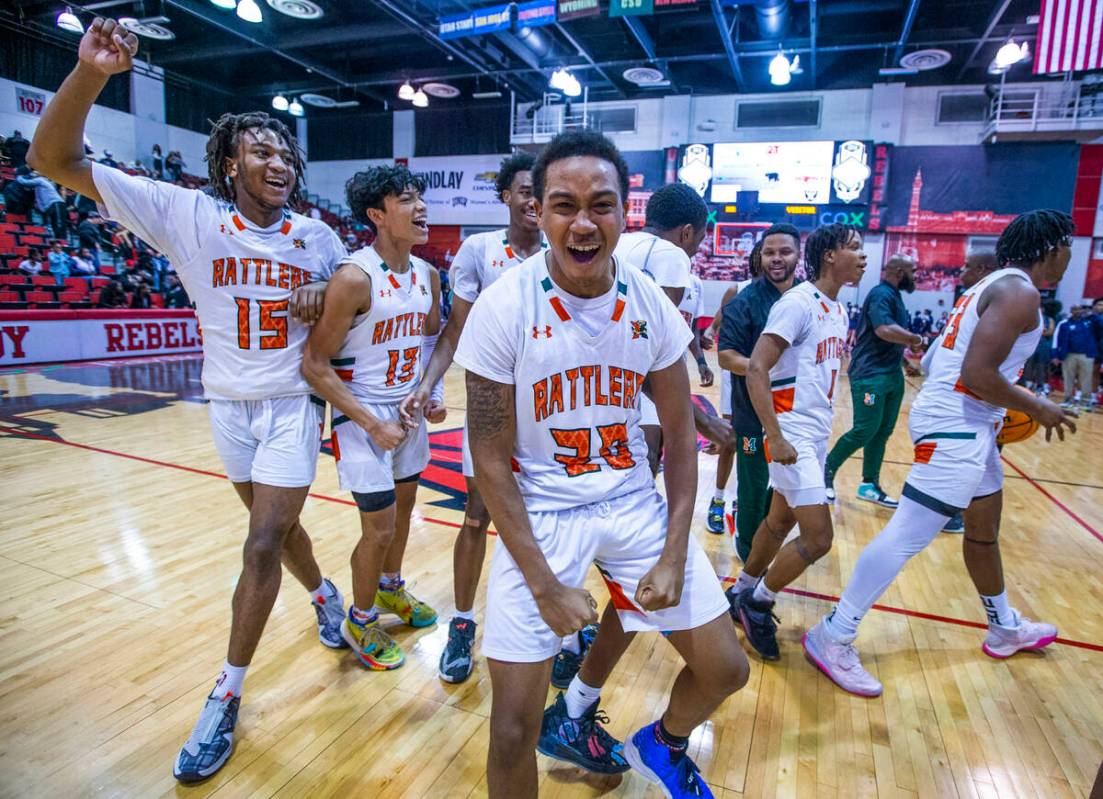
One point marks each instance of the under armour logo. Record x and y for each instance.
(537, 332)
(496, 264)
(222, 229)
(384, 292)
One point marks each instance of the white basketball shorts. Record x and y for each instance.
(273, 441)
(725, 393)
(365, 467)
(623, 537)
(801, 483)
(955, 462)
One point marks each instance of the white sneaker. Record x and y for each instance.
(1003, 642)
(840, 662)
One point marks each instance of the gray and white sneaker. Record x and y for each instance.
(211, 741)
(840, 662)
(456, 663)
(329, 607)
(1003, 642)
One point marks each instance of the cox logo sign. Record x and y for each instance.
(856, 218)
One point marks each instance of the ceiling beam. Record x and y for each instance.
(200, 12)
(642, 37)
(909, 20)
(345, 34)
(729, 48)
(813, 31)
(582, 51)
(993, 21)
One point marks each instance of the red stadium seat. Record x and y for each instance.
(71, 296)
(156, 301)
(107, 269)
(10, 296)
(42, 299)
(95, 297)
(44, 280)
(76, 284)
(100, 282)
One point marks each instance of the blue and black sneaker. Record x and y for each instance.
(329, 607)
(675, 772)
(715, 521)
(455, 661)
(210, 743)
(757, 620)
(582, 741)
(568, 663)
(955, 525)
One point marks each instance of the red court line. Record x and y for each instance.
(916, 614)
(1053, 499)
(797, 591)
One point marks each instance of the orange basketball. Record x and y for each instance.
(1017, 426)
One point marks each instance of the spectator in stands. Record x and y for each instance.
(109, 160)
(928, 323)
(17, 148)
(917, 323)
(175, 296)
(174, 165)
(82, 263)
(89, 233)
(157, 162)
(1036, 373)
(141, 297)
(1097, 322)
(315, 213)
(1076, 352)
(113, 296)
(33, 263)
(48, 202)
(60, 263)
(18, 198)
(85, 206)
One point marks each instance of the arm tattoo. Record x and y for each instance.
(490, 409)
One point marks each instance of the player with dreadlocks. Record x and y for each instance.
(791, 380)
(971, 370)
(255, 271)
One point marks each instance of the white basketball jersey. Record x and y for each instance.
(942, 393)
(691, 305)
(577, 395)
(803, 380)
(660, 260)
(381, 356)
(482, 259)
(239, 276)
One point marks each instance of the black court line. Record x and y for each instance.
(1024, 477)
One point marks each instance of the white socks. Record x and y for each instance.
(762, 593)
(323, 592)
(230, 681)
(719, 494)
(744, 581)
(465, 614)
(909, 531)
(998, 611)
(572, 644)
(579, 697)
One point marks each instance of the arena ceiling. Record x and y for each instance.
(363, 50)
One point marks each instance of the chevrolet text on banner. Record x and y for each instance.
(28, 337)
(536, 13)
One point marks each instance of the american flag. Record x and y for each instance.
(1070, 36)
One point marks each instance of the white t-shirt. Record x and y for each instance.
(482, 259)
(663, 262)
(803, 380)
(692, 305)
(577, 395)
(239, 276)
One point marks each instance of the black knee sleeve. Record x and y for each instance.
(413, 478)
(374, 501)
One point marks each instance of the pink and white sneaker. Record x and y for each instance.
(1003, 642)
(840, 662)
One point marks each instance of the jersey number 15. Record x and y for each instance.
(273, 329)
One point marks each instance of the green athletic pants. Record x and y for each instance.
(876, 402)
(752, 492)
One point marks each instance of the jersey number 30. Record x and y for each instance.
(614, 448)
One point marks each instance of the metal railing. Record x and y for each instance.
(1072, 107)
(548, 118)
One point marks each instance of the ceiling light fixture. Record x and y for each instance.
(406, 91)
(229, 5)
(564, 81)
(1011, 54)
(249, 11)
(420, 99)
(295, 108)
(781, 70)
(68, 21)
(279, 102)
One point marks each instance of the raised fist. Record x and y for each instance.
(108, 47)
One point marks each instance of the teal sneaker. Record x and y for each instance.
(871, 492)
(715, 522)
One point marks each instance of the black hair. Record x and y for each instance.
(1097, 299)
(520, 161)
(367, 189)
(1032, 235)
(674, 205)
(225, 140)
(821, 241)
(783, 229)
(754, 260)
(579, 143)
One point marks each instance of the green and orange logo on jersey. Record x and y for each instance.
(639, 328)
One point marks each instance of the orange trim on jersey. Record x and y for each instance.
(824, 306)
(618, 309)
(924, 451)
(334, 445)
(783, 399)
(617, 596)
(766, 449)
(560, 311)
(959, 388)
(344, 374)
(237, 221)
(285, 228)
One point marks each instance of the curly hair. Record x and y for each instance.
(579, 143)
(754, 260)
(368, 188)
(821, 241)
(225, 141)
(674, 205)
(1031, 235)
(520, 161)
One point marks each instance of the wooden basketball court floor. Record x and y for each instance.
(121, 542)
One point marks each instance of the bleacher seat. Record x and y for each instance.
(42, 299)
(106, 269)
(44, 280)
(77, 284)
(156, 300)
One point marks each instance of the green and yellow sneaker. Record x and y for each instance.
(406, 606)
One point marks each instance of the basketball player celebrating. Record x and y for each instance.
(556, 353)
(243, 257)
(791, 381)
(362, 356)
(481, 259)
(971, 371)
(744, 319)
(675, 221)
